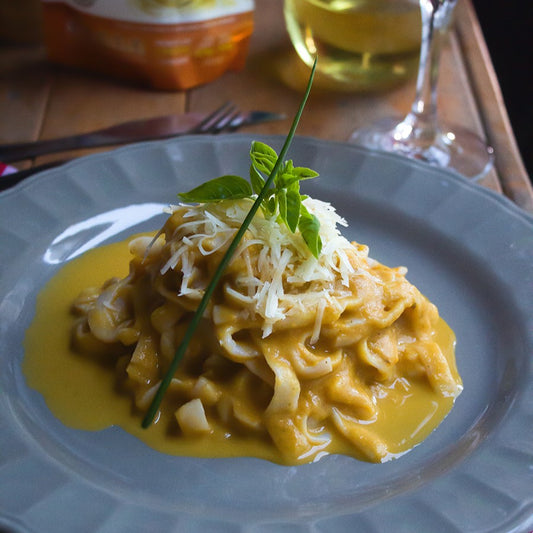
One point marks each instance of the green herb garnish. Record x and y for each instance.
(271, 193)
(282, 197)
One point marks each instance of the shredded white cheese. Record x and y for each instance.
(278, 264)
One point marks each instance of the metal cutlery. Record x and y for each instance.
(225, 118)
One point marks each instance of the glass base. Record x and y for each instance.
(454, 148)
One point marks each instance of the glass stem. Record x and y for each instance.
(421, 124)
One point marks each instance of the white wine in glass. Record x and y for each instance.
(362, 45)
(421, 135)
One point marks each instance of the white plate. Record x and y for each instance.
(469, 250)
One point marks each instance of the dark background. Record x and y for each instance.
(508, 29)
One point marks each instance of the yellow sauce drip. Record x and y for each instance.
(82, 392)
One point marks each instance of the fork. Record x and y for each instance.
(225, 118)
(228, 118)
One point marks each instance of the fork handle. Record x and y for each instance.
(26, 150)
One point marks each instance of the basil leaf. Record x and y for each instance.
(309, 227)
(263, 157)
(303, 173)
(256, 180)
(271, 205)
(281, 198)
(291, 174)
(223, 188)
(284, 175)
(293, 201)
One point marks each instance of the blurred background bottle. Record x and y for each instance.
(362, 45)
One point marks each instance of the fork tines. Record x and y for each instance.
(219, 119)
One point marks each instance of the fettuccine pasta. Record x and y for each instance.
(296, 350)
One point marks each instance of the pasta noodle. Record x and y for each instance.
(292, 349)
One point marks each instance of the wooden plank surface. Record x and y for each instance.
(488, 96)
(80, 103)
(24, 91)
(38, 100)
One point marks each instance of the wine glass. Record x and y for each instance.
(420, 135)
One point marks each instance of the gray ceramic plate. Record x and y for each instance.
(469, 250)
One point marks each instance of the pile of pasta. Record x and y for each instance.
(291, 348)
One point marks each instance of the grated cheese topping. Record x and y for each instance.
(280, 274)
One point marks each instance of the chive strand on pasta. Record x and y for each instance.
(180, 352)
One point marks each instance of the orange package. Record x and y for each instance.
(165, 44)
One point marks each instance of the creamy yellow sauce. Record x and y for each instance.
(82, 392)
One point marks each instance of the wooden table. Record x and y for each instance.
(40, 101)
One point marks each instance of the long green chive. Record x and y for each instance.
(180, 352)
